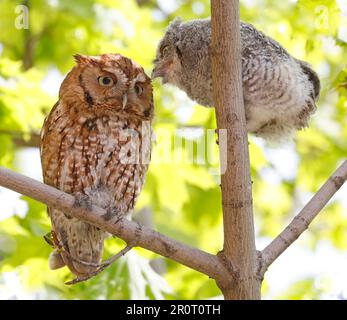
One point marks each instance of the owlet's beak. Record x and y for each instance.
(161, 71)
(157, 73)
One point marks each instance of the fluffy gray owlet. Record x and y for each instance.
(279, 91)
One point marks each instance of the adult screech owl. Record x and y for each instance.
(95, 144)
(279, 91)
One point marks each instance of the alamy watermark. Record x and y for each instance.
(22, 17)
(322, 17)
(173, 147)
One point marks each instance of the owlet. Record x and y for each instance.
(95, 144)
(280, 92)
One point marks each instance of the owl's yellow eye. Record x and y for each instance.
(138, 89)
(105, 81)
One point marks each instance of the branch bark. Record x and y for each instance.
(23, 139)
(239, 242)
(131, 232)
(303, 219)
(217, 267)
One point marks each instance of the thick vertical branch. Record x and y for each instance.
(239, 242)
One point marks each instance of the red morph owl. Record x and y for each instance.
(95, 145)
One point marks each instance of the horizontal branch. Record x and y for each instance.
(23, 139)
(131, 232)
(302, 220)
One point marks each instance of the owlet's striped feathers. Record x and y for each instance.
(280, 92)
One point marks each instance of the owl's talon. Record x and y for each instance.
(110, 213)
(83, 201)
(49, 239)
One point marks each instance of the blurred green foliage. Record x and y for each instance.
(183, 199)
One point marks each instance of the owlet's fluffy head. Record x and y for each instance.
(183, 56)
(108, 83)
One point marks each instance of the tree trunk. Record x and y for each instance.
(239, 242)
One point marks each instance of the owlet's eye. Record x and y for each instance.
(105, 81)
(164, 51)
(138, 89)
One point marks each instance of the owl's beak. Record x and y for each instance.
(125, 100)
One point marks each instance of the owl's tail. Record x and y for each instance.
(81, 247)
(312, 77)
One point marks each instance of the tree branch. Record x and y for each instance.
(131, 232)
(239, 242)
(23, 139)
(302, 220)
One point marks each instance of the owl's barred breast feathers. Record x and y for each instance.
(95, 145)
(280, 92)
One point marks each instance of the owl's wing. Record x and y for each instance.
(49, 147)
(80, 241)
(51, 140)
(49, 161)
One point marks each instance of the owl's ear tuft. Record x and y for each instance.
(81, 59)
